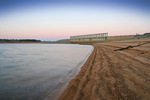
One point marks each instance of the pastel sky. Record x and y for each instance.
(60, 19)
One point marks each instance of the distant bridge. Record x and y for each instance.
(90, 38)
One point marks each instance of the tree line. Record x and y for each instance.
(19, 40)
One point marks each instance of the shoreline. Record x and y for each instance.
(109, 74)
(58, 90)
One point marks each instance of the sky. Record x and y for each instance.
(60, 19)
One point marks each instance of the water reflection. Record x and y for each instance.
(31, 71)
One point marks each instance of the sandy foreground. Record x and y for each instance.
(113, 75)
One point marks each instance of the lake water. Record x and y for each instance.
(38, 71)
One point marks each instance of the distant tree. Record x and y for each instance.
(19, 40)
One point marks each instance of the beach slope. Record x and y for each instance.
(113, 74)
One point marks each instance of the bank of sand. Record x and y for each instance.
(113, 75)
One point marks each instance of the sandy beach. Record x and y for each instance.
(112, 73)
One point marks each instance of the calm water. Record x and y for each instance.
(34, 71)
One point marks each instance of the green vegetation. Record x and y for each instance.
(18, 40)
(142, 36)
(147, 34)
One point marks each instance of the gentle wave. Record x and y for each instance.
(34, 71)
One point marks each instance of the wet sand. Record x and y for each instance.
(113, 75)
